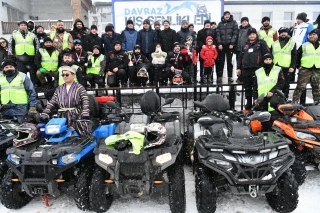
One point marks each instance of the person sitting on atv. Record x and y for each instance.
(71, 98)
(17, 92)
(177, 61)
(138, 71)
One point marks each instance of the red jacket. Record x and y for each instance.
(194, 58)
(209, 54)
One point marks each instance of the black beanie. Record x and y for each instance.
(6, 62)
(206, 22)
(94, 27)
(22, 22)
(316, 31)
(267, 55)
(302, 16)
(190, 25)
(166, 21)
(244, 19)
(265, 19)
(47, 39)
(116, 42)
(226, 12)
(146, 21)
(283, 29)
(129, 22)
(96, 46)
(108, 28)
(251, 30)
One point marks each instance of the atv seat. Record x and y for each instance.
(208, 121)
(290, 107)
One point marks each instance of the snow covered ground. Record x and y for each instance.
(309, 197)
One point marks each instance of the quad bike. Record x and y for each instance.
(51, 160)
(301, 125)
(226, 155)
(156, 167)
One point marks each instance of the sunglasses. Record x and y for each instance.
(65, 75)
(2, 42)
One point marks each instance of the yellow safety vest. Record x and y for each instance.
(60, 73)
(50, 63)
(266, 83)
(65, 42)
(310, 56)
(282, 56)
(268, 38)
(13, 91)
(24, 45)
(95, 69)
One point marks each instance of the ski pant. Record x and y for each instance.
(221, 58)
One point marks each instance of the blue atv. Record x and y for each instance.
(58, 160)
(156, 166)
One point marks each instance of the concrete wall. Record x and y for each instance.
(51, 9)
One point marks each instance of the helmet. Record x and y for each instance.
(27, 133)
(155, 135)
(142, 73)
(177, 78)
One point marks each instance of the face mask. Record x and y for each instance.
(10, 72)
(268, 66)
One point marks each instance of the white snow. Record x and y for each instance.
(309, 197)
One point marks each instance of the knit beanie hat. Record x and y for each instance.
(166, 21)
(184, 22)
(146, 21)
(94, 27)
(226, 12)
(6, 62)
(156, 23)
(267, 55)
(265, 19)
(251, 30)
(47, 39)
(129, 22)
(316, 31)
(283, 29)
(206, 22)
(244, 19)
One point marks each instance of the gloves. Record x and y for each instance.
(32, 111)
(43, 70)
(44, 117)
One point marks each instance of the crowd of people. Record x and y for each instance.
(266, 58)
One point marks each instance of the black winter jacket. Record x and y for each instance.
(140, 60)
(77, 34)
(167, 39)
(116, 59)
(242, 36)
(251, 54)
(177, 60)
(227, 31)
(88, 41)
(108, 42)
(147, 40)
(182, 36)
(202, 35)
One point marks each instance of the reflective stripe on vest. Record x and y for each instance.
(266, 83)
(282, 56)
(268, 38)
(95, 69)
(65, 42)
(48, 62)
(61, 78)
(24, 45)
(310, 56)
(13, 91)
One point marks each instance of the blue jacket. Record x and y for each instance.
(147, 40)
(21, 109)
(129, 39)
(108, 42)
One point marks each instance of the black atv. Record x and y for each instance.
(228, 156)
(157, 169)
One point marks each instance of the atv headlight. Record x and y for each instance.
(68, 158)
(105, 159)
(224, 164)
(303, 135)
(15, 158)
(164, 158)
(53, 129)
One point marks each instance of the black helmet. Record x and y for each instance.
(150, 102)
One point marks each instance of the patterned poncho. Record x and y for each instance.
(75, 104)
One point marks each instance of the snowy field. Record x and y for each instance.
(309, 197)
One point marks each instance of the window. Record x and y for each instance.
(14, 15)
(287, 19)
(237, 17)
